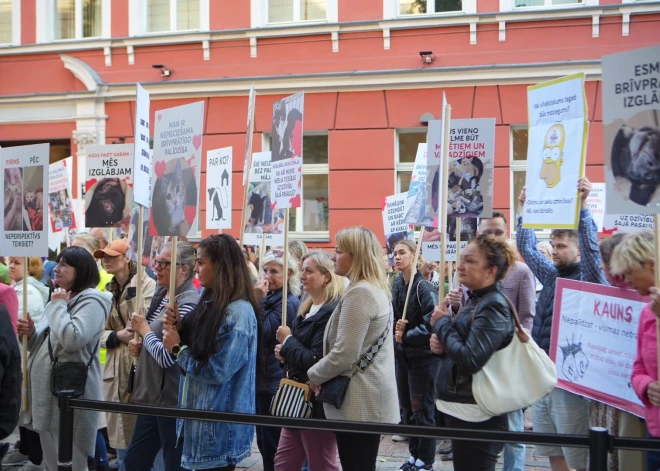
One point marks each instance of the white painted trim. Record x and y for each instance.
(595, 26)
(174, 16)
(510, 5)
(83, 72)
(332, 11)
(335, 41)
(259, 14)
(106, 20)
(133, 18)
(78, 17)
(205, 15)
(107, 54)
(502, 30)
(391, 10)
(473, 32)
(206, 47)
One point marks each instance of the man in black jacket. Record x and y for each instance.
(10, 376)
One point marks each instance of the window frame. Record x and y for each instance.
(15, 24)
(403, 166)
(391, 10)
(510, 5)
(46, 21)
(259, 15)
(138, 19)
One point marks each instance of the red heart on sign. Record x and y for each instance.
(89, 184)
(190, 213)
(197, 141)
(159, 168)
(160, 116)
(295, 201)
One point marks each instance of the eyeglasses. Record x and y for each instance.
(163, 264)
(496, 232)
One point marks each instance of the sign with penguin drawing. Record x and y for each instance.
(218, 188)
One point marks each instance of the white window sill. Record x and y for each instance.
(439, 14)
(288, 24)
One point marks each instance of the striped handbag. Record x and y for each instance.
(292, 400)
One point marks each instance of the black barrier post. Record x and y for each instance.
(599, 445)
(65, 445)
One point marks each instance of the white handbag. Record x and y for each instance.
(514, 377)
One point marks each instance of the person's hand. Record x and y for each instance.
(278, 348)
(171, 318)
(398, 336)
(134, 347)
(170, 339)
(140, 324)
(436, 346)
(438, 312)
(522, 197)
(316, 389)
(400, 325)
(262, 288)
(282, 333)
(25, 326)
(454, 298)
(655, 301)
(584, 187)
(125, 335)
(59, 293)
(653, 393)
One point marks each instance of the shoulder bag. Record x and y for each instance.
(293, 399)
(514, 377)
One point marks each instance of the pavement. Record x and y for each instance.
(391, 455)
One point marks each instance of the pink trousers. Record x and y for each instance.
(296, 446)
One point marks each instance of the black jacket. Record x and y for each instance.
(468, 346)
(305, 347)
(423, 299)
(545, 305)
(272, 320)
(10, 376)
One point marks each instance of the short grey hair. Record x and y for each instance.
(277, 256)
(186, 255)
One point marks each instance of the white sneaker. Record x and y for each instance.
(29, 466)
(399, 438)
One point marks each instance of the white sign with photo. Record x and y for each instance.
(142, 162)
(218, 188)
(261, 217)
(395, 227)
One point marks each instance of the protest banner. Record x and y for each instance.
(395, 227)
(556, 152)
(614, 223)
(287, 151)
(142, 161)
(260, 216)
(109, 185)
(218, 188)
(437, 138)
(596, 204)
(177, 157)
(594, 342)
(431, 242)
(60, 212)
(631, 131)
(415, 207)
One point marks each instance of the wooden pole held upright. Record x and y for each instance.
(140, 269)
(24, 339)
(173, 266)
(262, 253)
(656, 229)
(442, 221)
(247, 180)
(459, 228)
(414, 272)
(285, 285)
(67, 237)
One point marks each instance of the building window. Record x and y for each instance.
(285, 11)
(74, 19)
(406, 151)
(422, 7)
(545, 3)
(313, 216)
(6, 15)
(172, 15)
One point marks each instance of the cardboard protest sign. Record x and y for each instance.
(395, 227)
(596, 204)
(287, 151)
(60, 213)
(248, 133)
(25, 179)
(432, 238)
(594, 342)
(414, 210)
(109, 185)
(556, 152)
(613, 223)
(261, 217)
(177, 158)
(142, 161)
(218, 188)
(435, 137)
(631, 130)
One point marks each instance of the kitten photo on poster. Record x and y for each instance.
(33, 199)
(174, 193)
(13, 199)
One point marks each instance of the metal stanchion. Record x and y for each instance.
(65, 445)
(599, 446)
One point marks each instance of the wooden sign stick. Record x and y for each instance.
(247, 180)
(285, 285)
(24, 339)
(656, 229)
(67, 237)
(459, 224)
(173, 265)
(262, 253)
(414, 272)
(140, 269)
(442, 221)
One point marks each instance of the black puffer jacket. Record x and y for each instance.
(305, 347)
(468, 346)
(545, 305)
(423, 299)
(10, 376)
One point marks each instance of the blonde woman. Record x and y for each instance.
(300, 348)
(363, 316)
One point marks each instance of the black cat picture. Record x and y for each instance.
(108, 201)
(173, 192)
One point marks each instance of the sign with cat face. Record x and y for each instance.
(287, 151)
(177, 158)
(261, 217)
(631, 131)
(61, 212)
(218, 188)
(25, 179)
(109, 185)
(142, 162)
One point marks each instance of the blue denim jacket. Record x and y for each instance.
(225, 384)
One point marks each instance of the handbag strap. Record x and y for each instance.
(522, 335)
(369, 356)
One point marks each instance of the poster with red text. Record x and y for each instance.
(287, 151)
(395, 227)
(594, 342)
(61, 212)
(614, 223)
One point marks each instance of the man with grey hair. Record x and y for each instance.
(99, 233)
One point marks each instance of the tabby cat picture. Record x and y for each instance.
(175, 190)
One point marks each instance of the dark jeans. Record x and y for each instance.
(357, 451)
(417, 401)
(100, 451)
(652, 458)
(30, 445)
(477, 456)
(268, 438)
(149, 436)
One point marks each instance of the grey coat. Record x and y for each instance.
(75, 332)
(358, 321)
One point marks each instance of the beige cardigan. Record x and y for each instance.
(359, 319)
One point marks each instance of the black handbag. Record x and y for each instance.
(68, 376)
(333, 392)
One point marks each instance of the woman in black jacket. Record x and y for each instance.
(300, 349)
(416, 365)
(482, 327)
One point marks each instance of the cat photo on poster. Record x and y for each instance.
(175, 192)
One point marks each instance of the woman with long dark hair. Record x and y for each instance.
(218, 350)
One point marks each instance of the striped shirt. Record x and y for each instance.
(153, 344)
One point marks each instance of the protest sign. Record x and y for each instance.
(218, 188)
(109, 185)
(60, 212)
(596, 204)
(395, 227)
(177, 157)
(287, 151)
(142, 161)
(414, 210)
(614, 223)
(631, 130)
(435, 138)
(432, 239)
(594, 342)
(556, 152)
(25, 172)
(248, 134)
(261, 217)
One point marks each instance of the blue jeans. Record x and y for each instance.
(514, 453)
(652, 458)
(100, 451)
(149, 435)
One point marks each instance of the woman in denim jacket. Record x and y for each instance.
(218, 353)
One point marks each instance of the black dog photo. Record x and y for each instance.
(105, 203)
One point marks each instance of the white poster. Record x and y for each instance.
(431, 239)
(60, 212)
(177, 160)
(395, 227)
(613, 223)
(555, 153)
(261, 217)
(414, 210)
(287, 151)
(25, 172)
(142, 162)
(631, 130)
(434, 170)
(248, 133)
(218, 188)
(596, 204)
